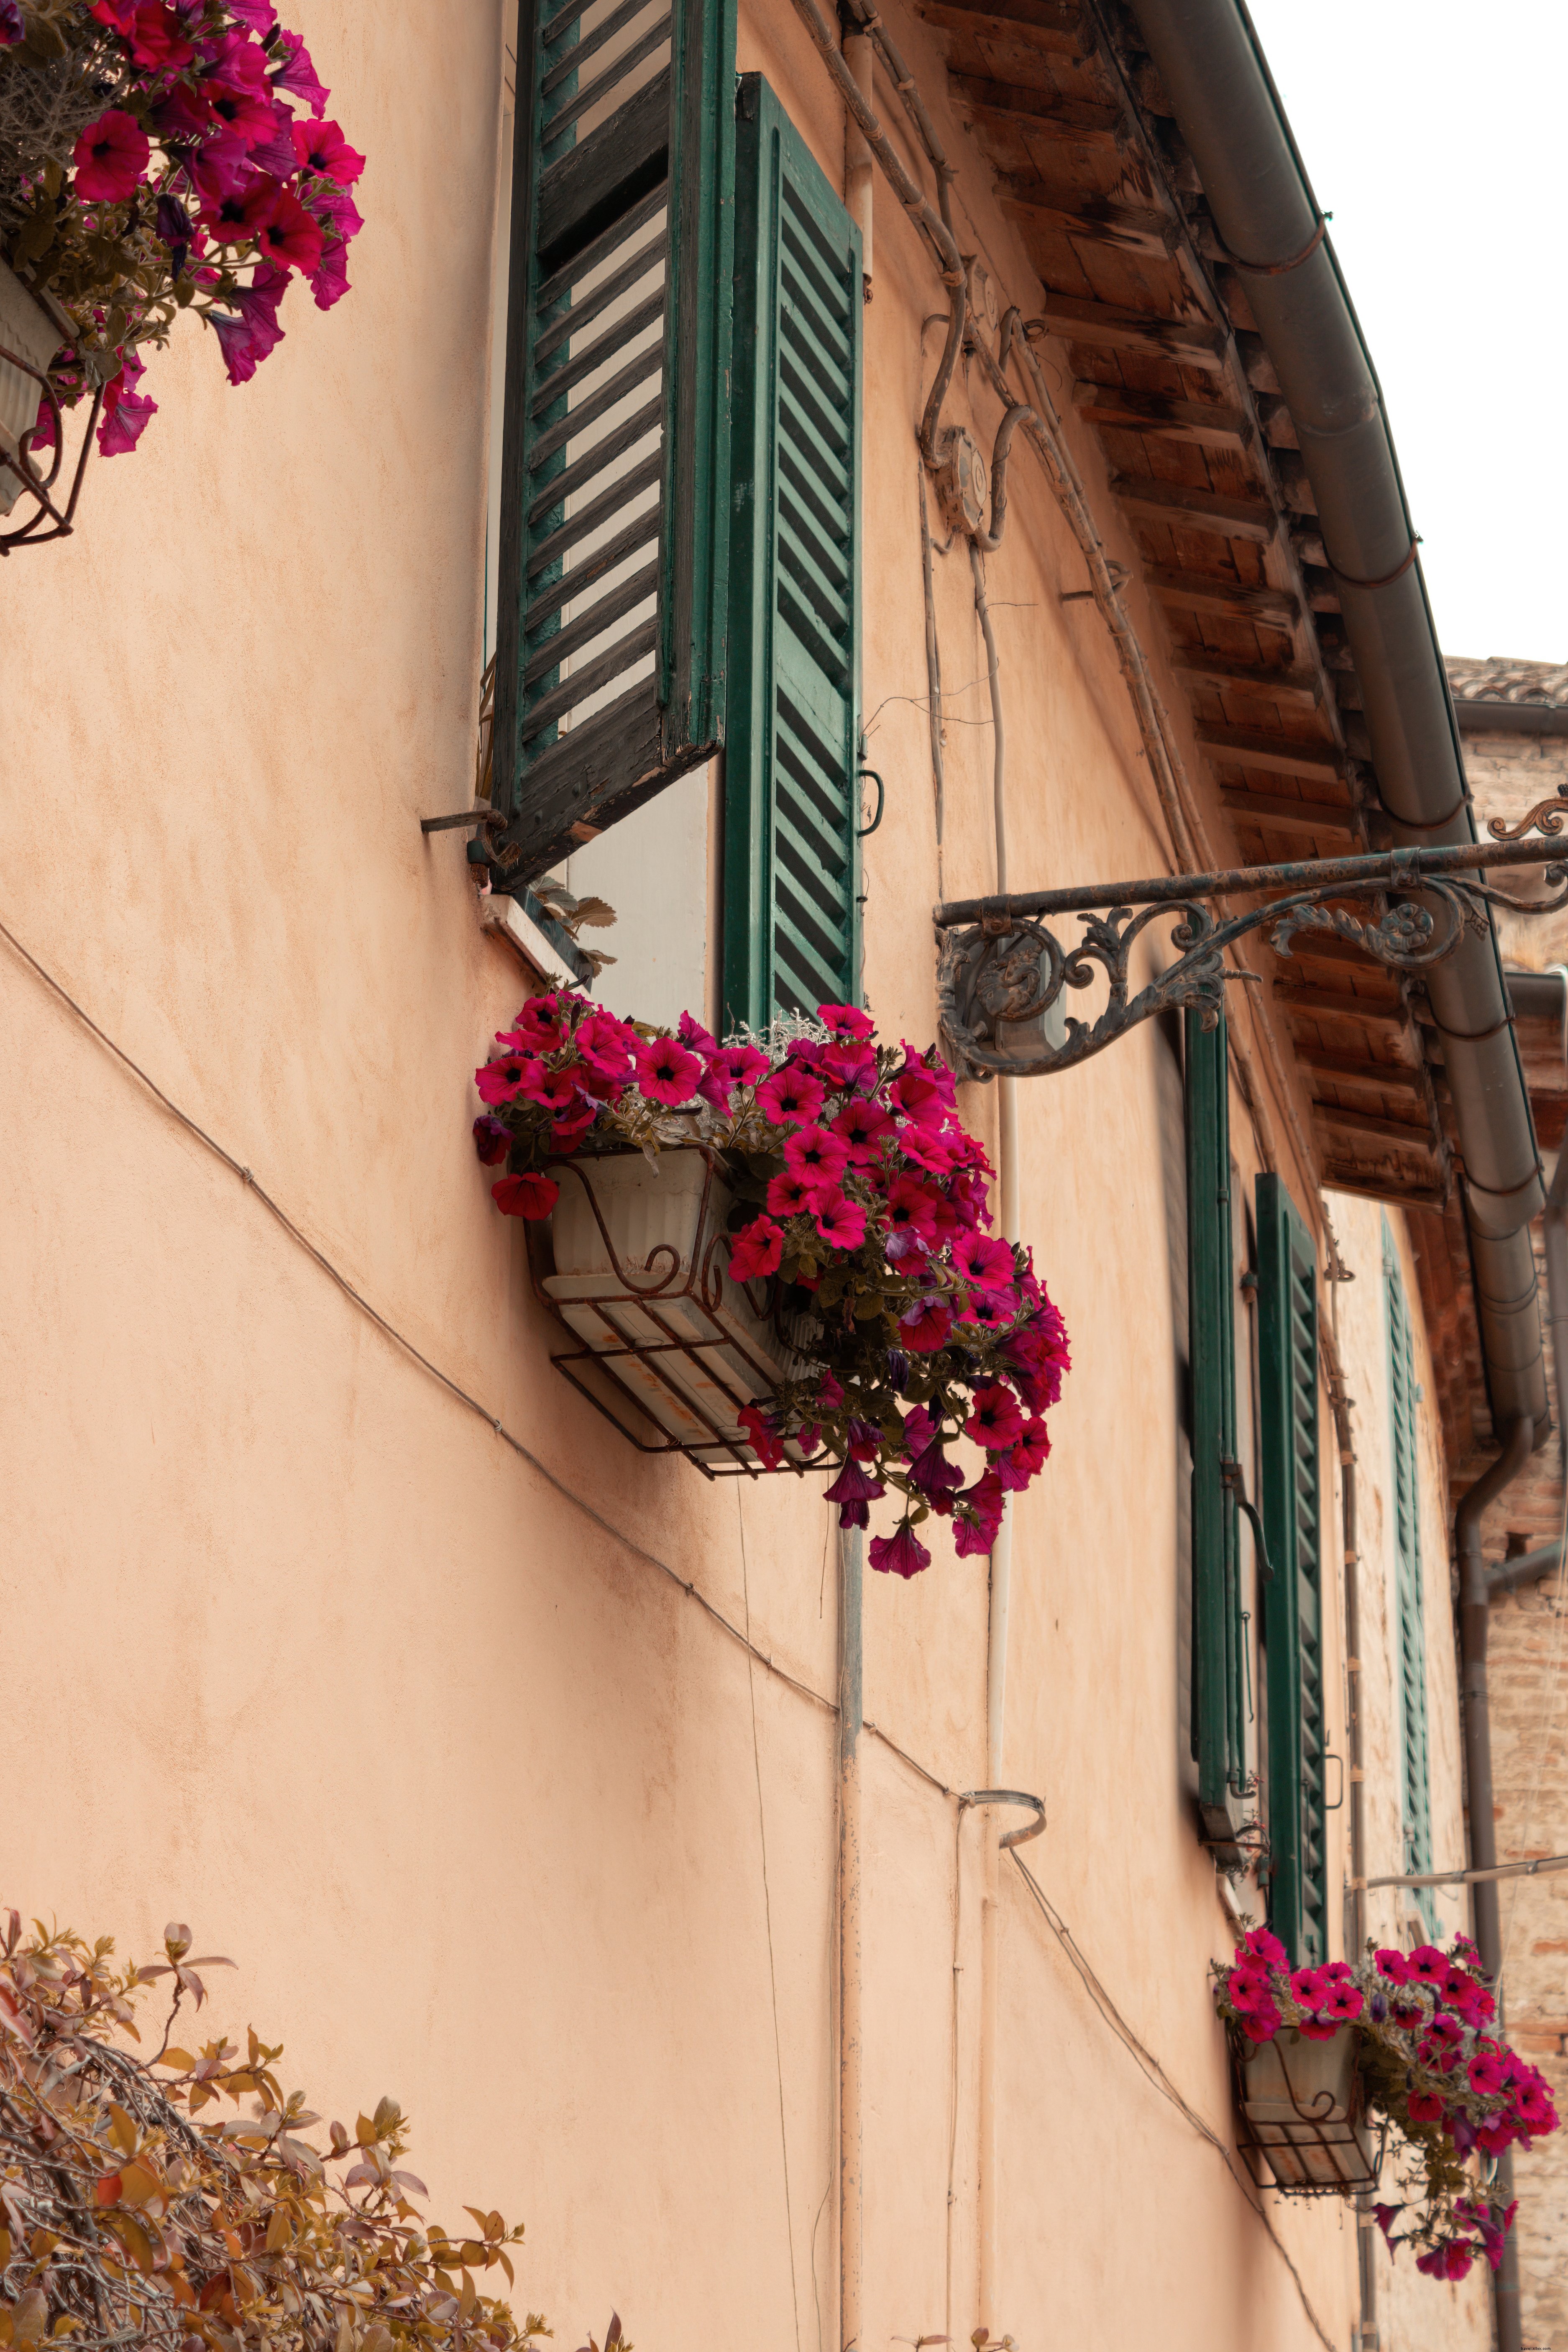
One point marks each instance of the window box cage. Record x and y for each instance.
(633, 1266)
(1303, 2114)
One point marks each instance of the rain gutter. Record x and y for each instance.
(1267, 216)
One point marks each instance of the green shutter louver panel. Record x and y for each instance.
(1291, 1502)
(1219, 1728)
(791, 859)
(611, 590)
(1415, 1793)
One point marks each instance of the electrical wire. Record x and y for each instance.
(636, 1550)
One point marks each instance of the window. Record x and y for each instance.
(1219, 1658)
(1402, 1398)
(1291, 1504)
(610, 615)
(791, 934)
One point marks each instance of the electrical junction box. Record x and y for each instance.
(961, 485)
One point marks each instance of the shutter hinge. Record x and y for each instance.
(1232, 1477)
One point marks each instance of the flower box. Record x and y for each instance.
(1304, 2112)
(640, 1274)
(26, 330)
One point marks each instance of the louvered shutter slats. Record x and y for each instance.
(1291, 1502)
(791, 934)
(609, 668)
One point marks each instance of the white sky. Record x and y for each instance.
(1433, 134)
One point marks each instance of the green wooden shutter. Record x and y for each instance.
(1416, 1801)
(1291, 1504)
(790, 861)
(611, 592)
(1219, 1728)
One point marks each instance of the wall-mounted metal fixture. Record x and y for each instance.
(999, 964)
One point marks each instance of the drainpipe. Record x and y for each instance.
(1474, 1605)
(851, 1712)
(1539, 994)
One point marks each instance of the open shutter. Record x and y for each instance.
(1415, 1803)
(1292, 1508)
(790, 861)
(611, 590)
(1219, 1728)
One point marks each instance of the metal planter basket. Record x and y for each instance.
(1303, 2122)
(635, 1265)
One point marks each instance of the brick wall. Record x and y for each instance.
(1529, 1643)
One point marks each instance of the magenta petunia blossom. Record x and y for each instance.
(341, 215)
(924, 1326)
(288, 236)
(911, 1209)
(763, 1437)
(525, 1196)
(850, 1063)
(995, 1419)
(983, 1264)
(841, 1222)
(789, 1095)
(853, 1489)
(156, 37)
(978, 1516)
(12, 29)
(492, 1141)
(500, 1081)
(126, 413)
(914, 1091)
(1344, 2002)
(817, 1157)
(1264, 1945)
(556, 1090)
(1261, 2024)
(860, 1126)
(1425, 2107)
(258, 17)
(1249, 1987)
(297, 76)
(1486, 2073)
(790, 1196)
(1394, 1964)
(111, 156)
(322, 148)
(666, 1072)
(1428, 1965)
(845, 1020)
(758, 1248)
(902, 1554)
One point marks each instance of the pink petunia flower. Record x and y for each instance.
(1024, 1461)
(126, 415)
(1428, 1965)
(492, 1141)
(995, 1419)
(841, 1222)
(1344, 2002)
(861, 1126)
(762, 1436)
(666, 1072)
(845, 1020)
(1265, 1946)
(902, 1554)
(848, 1063)
(1394, 1964)
(501, 1082)
(1425, 2107)
(739, 1065)
(111, 156)
(924, 1326)
(852, 1490)
(914, 1091)
(525, 1196)
(790, 1094)
(977, 1517)
(287, 235)
(156, 37)
(983, 1264)
(758, 1248)
(927, 1149)
(1249, 1989)
(1261, 2024)
(816, 1156)
(1308, 1987)
(912, 1211)
(322, 148)
(297, 76)
(790, 1196)
(1486, 2075)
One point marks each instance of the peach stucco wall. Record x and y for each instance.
(299, 1649)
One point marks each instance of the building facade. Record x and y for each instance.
(511, 1763)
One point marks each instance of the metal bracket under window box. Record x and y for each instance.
(1301, 2112)
(634, 1267)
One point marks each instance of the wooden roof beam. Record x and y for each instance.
(1233, 600)
(1057, 25)
(1209, 425)
(1302, 686)
(1193, 343)
(1042, 109)
(1275, 813)
(1366, 1122)
(1343, 1066)
(1203, 510)
(1328, 1005)
(1275, 754)
(1129, 228)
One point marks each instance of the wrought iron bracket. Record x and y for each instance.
(1001, 967)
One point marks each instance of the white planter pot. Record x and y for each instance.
(664, 1227)
(28, 328)
(1301, 2101)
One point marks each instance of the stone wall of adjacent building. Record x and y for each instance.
(1529, 1635)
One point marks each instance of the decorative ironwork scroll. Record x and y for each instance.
(1000, 966)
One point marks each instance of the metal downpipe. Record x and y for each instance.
(1475, 1601)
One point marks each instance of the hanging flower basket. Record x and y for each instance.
(1303, 2105)
(152, 161)
(1400, 2038)
(634, 1264)
(774, 1248)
